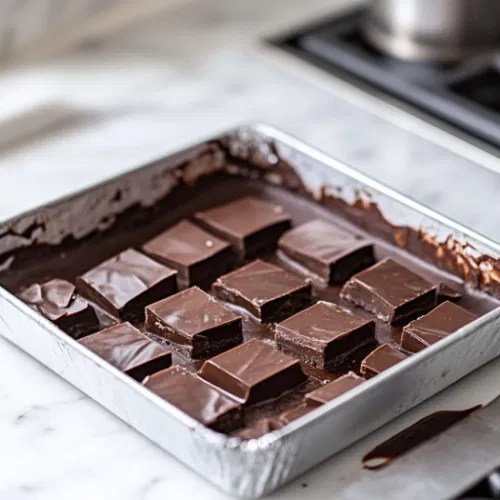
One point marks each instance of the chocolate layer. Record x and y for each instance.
(442, 321)
(58, 301)
(196, 398)
(263, 426)
(126, 283)
(382, 358)
(195, 322)
(327, 251)
(324, 335)
(333, 390)
(295, 413)
(446, 292)
(390, 291)
(129, 350)
(251, 225)
(198, 256)
(267, 291)
(253, 372)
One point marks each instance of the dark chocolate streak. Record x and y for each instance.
(413, 436)
(136, 226)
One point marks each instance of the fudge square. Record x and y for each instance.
(249, 224)
(196, 398)
(126, 283)
(253, 372)
(382, 358)
(333, 390)
(129, 350)
(324, 335)
(57, 301)
(390, 291)
(267, 291)
(442, 321)
(193, 320)
(197, 256)
(327, 251)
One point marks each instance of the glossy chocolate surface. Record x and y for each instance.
(442, 321)
(129, 350)
(198, 256)
(334, 389)
(324, 335)
(267, 291)
(327, 251)
(197, 323)
(252, 225)
(196, 398)
(382, 358)
(390, 291)
(126, 283)
(253, 372)
(58, 301)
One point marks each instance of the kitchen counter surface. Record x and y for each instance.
(144, 93)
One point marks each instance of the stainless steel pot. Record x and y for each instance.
(433, 30)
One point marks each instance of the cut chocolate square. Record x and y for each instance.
(327, 251)
(324, 335)
(253, 372)
(199, 257)
(446, 292)
(382, 358)
(126, 283)
(390, 291)
(265, 290)
(58, 301)
(333, 390)
(196, 398)
(295, 413)
(129, 350)
(249, 224)
(442, 321)
(194, 321)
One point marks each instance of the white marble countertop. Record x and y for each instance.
(140, 95)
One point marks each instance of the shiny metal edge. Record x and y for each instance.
(254, 468)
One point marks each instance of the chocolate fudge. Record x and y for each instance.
(324, 335)
(327, 251)
(58, 301)
(382, 358)
(195, 322)
(129, 350)
(197, 256)
(267, 291)
(253, 372)
(442, 321)
(333, 389)
(126, 283)
(196, 398)
(249, 224)
(390, 291)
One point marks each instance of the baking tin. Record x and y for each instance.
(253, 468)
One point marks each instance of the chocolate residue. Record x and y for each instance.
(413, 436)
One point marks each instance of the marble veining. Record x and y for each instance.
(142, 94)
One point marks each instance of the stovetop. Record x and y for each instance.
(465, 95)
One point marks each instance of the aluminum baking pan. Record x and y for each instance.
(253, 468)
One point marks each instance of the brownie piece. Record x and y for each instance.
(327, 251)
(445, 319)
(446, 292)
(196, 398)
(334, 389)
(199, 257)
(199, 325)
(263, 426)
(129, 350)
(324, 335)
(390, 291)
(382, 358)
(253, 372)
(126, 283)
(249, 224)
(295, 413)
(58, 301)
(265, 290)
